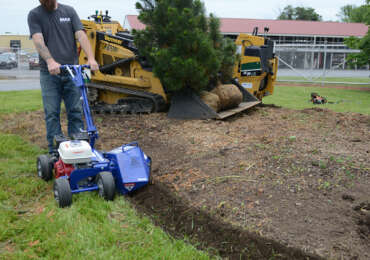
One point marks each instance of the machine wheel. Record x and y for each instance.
(44, 167)
(107, 188)
(62, 192)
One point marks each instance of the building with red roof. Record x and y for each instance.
(235, 26)
(300, 44)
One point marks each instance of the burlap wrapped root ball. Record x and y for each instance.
(230, 96)
(211, 100)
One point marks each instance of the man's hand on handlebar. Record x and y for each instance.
(93, 64)
(53, 67)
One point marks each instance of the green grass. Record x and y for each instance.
(298, 98)
(32, 226)
(331, 79)
(20, 101)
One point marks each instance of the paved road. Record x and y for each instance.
(328, 73)
(20, 73)
(22, 78)
(19, 84)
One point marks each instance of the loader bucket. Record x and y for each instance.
(187, 105)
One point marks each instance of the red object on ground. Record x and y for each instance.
(62, 169)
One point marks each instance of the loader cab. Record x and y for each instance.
(257, 67)
(102, 32)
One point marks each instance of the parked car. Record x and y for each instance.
(7, 61)
(11, 55)
(34, 62)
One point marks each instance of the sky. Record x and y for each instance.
(13, 18)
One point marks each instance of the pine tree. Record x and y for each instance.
(185, 47)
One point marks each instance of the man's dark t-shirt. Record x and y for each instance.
(58, 29)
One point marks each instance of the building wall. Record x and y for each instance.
(26, 43)
(311, 52)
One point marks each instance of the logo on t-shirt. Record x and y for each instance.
(65, 19)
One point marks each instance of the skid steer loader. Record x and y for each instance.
(125, 82)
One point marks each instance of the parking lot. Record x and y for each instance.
(20, 78)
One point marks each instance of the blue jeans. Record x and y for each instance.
(54, 89)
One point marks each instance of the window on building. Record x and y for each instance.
(15, 44)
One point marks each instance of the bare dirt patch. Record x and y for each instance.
(267, 182)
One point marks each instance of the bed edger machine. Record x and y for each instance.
(125, 82)
(78, 167)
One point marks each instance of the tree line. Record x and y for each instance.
(348, 14)
(360, 14)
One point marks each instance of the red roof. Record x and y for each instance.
(134, 23)
(279, 27)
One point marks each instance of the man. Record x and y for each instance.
(54, 28)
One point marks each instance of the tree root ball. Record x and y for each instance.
(230, 96)
(211, 100)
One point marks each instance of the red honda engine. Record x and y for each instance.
(62, 169)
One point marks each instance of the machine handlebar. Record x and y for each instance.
(74, 66)
(76, 73)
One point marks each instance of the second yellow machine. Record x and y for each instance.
(125, 82)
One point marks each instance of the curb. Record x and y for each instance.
(7, 77)
(18, 78)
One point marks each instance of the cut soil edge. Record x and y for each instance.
(208, 233)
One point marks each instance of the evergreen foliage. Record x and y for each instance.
(185, 47)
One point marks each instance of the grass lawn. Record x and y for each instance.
(299, 98)
(32, 226)
(19, 101)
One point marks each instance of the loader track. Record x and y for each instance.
(138, 102)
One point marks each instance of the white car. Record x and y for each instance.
(7, 61)
(10, 55)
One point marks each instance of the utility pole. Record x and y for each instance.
(324, 72)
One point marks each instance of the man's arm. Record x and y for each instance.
(85, 44)
(38, 41)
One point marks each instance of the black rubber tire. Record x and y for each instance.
(107, 187)
(44, 167)
(62, 192)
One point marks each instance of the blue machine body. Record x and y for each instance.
(128, 164)
(130, 167)
(78, 175)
